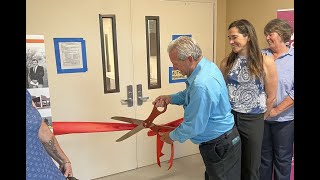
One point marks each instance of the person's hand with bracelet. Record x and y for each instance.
(66, 169)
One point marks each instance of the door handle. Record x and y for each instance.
(144, 99)
(129, 100)
(140, 98)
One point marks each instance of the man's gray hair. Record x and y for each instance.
(185, 46)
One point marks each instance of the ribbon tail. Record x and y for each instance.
(171, 157)
(159, 149)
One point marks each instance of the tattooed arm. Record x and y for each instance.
(52, 147)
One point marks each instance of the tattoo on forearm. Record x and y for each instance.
(52, 150)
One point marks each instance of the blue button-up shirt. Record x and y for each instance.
(285, 69)
(207, 111)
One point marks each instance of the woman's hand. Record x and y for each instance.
(66, 169)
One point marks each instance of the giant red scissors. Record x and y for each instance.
(148, 123)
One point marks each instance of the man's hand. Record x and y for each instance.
(166, 138)
(160, 101)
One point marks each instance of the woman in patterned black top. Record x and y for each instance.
(252, 84)
(41, 146)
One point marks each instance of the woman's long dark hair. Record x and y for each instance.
(254, 58)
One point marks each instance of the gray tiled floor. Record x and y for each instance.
(185, 168)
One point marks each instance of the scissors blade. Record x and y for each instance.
(130, 133)
(128, 120)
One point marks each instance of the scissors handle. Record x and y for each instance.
(155, 113)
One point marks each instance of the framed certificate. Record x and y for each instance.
(70, 55)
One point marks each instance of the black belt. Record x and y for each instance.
(220, 137)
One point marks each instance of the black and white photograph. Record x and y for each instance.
(37, 76)
(41, 99)
(36, 69)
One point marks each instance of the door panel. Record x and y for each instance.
(79, 97)
(175, 17)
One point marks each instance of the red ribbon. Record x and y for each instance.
(160, 143)
(88, 127)
(60, 128)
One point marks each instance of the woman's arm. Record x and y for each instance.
(283, 106)
(51, 145)
(223, 65)
(270, 82)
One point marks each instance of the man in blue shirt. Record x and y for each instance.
(208, 120)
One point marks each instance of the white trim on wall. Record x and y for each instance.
(215, 20)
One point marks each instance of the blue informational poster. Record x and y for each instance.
(175, 76)
(175, 36)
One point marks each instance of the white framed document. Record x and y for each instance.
(70, 55)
